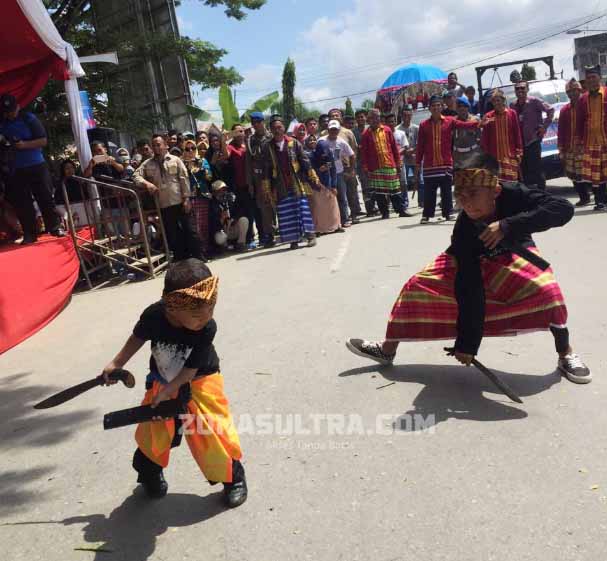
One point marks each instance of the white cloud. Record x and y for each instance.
(359, 48)
(184, 25)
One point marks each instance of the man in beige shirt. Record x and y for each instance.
(166, 177)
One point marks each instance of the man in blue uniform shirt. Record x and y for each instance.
(29, 177)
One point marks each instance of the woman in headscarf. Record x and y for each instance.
(323, 198)
(300, 132)
(200, 176)
(217, 155)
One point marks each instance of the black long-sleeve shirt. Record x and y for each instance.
(521, 212)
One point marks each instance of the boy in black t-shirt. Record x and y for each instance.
(184, 364)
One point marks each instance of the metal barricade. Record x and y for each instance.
(121, 229)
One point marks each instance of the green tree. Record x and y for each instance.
(528, 73)
(349, 108)
(74, 20)
(288, 90)
(367, 104)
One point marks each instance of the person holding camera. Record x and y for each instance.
(28, 177)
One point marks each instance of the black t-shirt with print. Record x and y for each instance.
(175, 348)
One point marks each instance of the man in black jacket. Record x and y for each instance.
(478, 287)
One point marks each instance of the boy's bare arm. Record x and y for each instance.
(132, 345)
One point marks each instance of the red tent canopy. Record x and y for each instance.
(26, 62)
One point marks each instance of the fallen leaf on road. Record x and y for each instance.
(583, 470)
(594, 487)
(262, 374)
(385, 386)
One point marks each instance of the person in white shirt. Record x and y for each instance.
(403, 144)
(341, 151)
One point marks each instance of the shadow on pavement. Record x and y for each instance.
(130, 532)
(14, 495)
(23, 426)
(456, 392)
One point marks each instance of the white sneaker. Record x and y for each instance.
(574, 369)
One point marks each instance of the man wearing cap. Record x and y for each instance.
(223, 227)
(342, 153)
(466, 142)
(569, 142)
(434, 152)
(349, 170)
(258, 178)
(411, 130)
(29, 177)
(530, 111)
(592, 131)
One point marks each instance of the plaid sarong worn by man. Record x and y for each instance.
(477, 287)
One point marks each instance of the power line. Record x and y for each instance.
(571, 24)
(477, 61)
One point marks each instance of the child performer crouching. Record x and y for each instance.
(477, 287)
(184, 363)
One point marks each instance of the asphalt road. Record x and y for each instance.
(465, 475)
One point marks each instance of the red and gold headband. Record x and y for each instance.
(184, 299)
(474, 177)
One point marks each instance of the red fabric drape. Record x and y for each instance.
(37, 282)
(26, 63)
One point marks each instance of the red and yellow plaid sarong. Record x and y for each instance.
(574, 160)
(211, 435)
(508, 169)
(594, 165)
(519, 297)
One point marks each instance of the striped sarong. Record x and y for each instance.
(508, 169)
(574, 160)
(211, 435)
(384, 181)
(294, 218)
(200, 212)
(594, 165)
(519, 297)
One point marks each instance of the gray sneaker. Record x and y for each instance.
(574, 369)
(371, 350)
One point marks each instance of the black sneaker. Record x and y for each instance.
(599, 206)
(404, 214)
(268, 244)
(424, 220)
(574, 369)
(583, 202)
(154, 485)
(294, 245)
(311, 242)
(355, 221)
(371, 350)
(235, 493)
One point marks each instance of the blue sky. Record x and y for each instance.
(348, 46)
